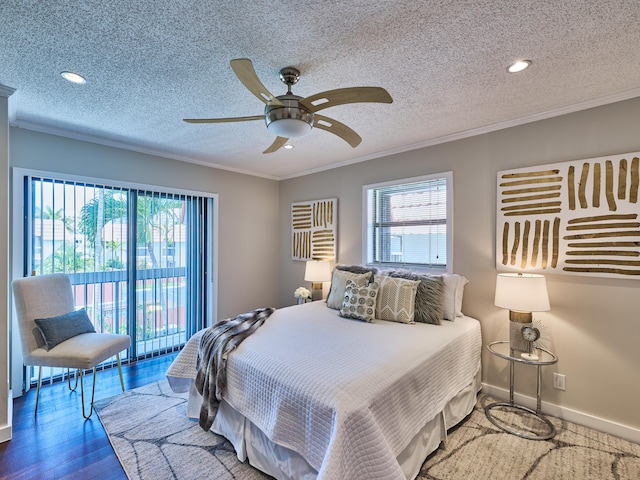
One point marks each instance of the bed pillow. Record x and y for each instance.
(429, 296)
(359, 301)
(453, 293)
(356, 268)
(56, 330)
(396, 299)
(338, 284)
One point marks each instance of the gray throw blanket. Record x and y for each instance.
(215, 344)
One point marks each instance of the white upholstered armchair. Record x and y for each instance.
(54, 334)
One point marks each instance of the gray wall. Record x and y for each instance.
(593, 322)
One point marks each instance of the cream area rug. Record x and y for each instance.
(154, 439)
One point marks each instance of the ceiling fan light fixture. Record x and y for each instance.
(289, 127)
(289, 121)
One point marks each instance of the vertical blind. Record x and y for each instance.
(136, 258)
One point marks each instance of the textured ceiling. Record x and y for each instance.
(149, 64)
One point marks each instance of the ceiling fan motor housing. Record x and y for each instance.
(289, 119)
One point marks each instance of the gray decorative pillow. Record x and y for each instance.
(360, 269)
(429, 297)
(359, 301)
(338, 284)
(56, 330)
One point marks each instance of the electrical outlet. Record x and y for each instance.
(559, 381)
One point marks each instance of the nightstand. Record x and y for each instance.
(503, 350)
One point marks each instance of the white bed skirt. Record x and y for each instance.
(284, 464)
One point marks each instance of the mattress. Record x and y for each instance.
(345, 397)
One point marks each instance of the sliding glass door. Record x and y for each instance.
(137, 259)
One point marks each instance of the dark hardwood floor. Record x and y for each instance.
(58, 443)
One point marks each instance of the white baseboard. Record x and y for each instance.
(602, 425)
(6, 431)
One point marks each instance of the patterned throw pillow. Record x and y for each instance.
(359, 301)
(396, 300)
(338, 284)
(429, 296)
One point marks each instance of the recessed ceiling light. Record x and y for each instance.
(73, 77)
(288, 146)
(518, 66)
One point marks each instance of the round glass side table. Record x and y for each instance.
(503, 350)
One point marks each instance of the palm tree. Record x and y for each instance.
(50, 214)
(152, 214)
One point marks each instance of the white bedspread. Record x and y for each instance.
(348, 396)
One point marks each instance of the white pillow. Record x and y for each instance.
(452, 297)
(338, 284)
(396, 299)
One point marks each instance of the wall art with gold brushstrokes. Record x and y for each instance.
(579, 218)
(314, 226)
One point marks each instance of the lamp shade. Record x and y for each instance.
(317, 271)
(522, 292)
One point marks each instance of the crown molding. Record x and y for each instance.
(556, 112)
(108, 142)
(6, 91)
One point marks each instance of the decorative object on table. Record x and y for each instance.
(522, 294)
(543, 340)
(317, 272)
(302, 294)
(530, 335)
(578, 217)
(314, 228)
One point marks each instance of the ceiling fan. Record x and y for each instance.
(290, 115)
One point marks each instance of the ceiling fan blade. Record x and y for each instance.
(277, 143)
(224, 120)
(245, 72)
(342, 96)
(340, 129)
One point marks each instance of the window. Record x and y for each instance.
(408, 223)
(139, 260)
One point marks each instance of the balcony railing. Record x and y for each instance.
(159, 310)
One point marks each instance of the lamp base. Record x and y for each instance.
(518, 320)
(316, 291)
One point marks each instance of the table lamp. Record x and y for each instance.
(522, 294)
(317, 272)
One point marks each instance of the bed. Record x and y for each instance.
(314, 395)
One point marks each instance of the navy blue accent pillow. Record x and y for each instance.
(56, 330)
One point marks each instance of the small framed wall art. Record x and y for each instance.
(314, 227)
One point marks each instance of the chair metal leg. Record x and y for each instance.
(93, 390)
(38, 389)
(80, 373)
(119, 371)
(69, 380)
